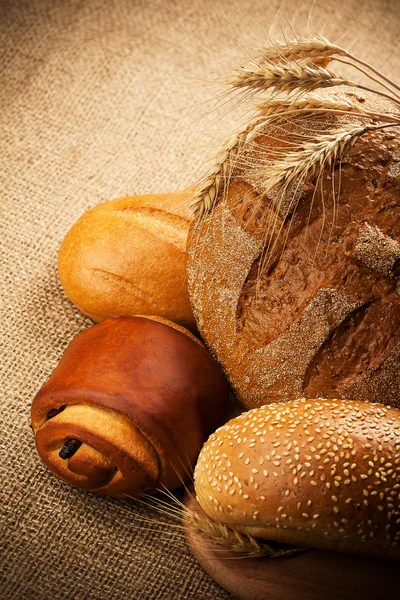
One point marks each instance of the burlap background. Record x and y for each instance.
(100, 99)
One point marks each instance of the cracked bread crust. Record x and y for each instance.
(322, 317)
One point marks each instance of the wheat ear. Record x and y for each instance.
(215, 179)
(242, 544)
(286, 78)
(308, 103)
(295, 76)
(314, 48)
(316, 154)
(229, 539)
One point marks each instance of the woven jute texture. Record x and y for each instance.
(100, 99)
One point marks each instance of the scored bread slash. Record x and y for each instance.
(313, 473)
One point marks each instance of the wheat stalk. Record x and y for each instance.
(232, 540)
(316, 104)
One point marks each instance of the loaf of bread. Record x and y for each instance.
(313, 473)
(128, 407)
(296, 291)
(128, 257)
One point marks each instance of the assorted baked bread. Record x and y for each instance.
(128, 407)
(295, 289)
(314, 473)
(293, 266)
(128, 257)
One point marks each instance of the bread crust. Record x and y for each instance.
(323, 319)
(128, 256)
(314, 473)
(129, 389)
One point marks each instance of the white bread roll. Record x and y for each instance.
(128, 256)
(314, 473)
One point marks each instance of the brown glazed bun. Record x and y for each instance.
(128, 407)
(323, 320)
(313, 473)
(128, 257)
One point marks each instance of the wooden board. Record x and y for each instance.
(312, 575)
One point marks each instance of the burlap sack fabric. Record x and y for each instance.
(101, 99)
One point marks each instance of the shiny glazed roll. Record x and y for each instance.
(128, 407)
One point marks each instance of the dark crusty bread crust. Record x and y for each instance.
(142, 395)
(324, 317)
(314, 473)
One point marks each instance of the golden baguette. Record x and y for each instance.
(128, 256)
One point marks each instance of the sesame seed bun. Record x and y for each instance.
(315, 473)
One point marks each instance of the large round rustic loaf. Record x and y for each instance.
(128, 257)
(129, 406)
(296, 292)
(313, 473)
